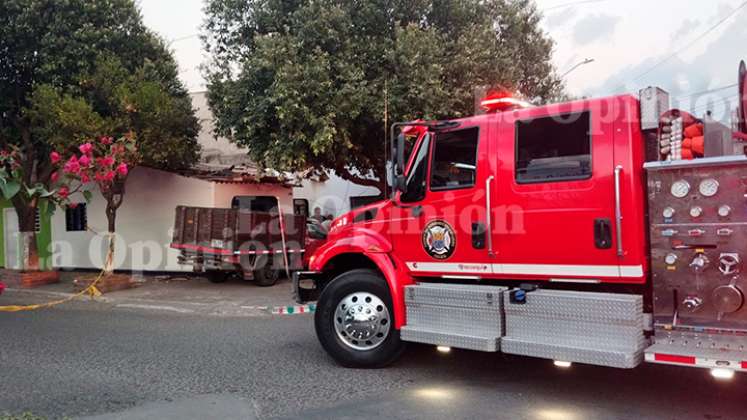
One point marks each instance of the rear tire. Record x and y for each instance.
(351, 337)
(266, 275)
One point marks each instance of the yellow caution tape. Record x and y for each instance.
(91, 290)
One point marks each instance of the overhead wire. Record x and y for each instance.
(691, 43)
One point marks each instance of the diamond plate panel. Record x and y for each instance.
(624, 359)
(575, 332)
(455, 295)
(595, 328)
(482, 322)
(462, 341)
(600, 307)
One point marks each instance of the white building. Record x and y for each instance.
(332, 195)
(145, 219)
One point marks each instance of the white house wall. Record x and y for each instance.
(144, 221)
(333, 195)
(224, 193)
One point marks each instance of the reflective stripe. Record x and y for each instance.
(701, 362)
(612, 271)
(674, 358)
(436, 267)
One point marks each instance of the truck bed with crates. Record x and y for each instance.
(226, 242)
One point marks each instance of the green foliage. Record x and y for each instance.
(14, 187)
(66, 67)
(23, 416)
(307, 84)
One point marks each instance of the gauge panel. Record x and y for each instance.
(680, 189)
(708, 187)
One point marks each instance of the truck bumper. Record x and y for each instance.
(304, 286)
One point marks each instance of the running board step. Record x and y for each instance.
(692, 349)
(454, 315)
(470, 342)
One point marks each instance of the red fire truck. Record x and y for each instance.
(605, 231)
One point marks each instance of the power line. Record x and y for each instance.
(691, 43)
(183, 38)
(705, 92)
(726, 101)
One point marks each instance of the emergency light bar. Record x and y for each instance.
(502, 102)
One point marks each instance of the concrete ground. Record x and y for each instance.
(183, 293)
(109, 361)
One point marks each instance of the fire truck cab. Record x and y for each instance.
(566, 232)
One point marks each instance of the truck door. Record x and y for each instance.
(441, 232)
(554, 217)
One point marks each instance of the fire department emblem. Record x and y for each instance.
(439, 240)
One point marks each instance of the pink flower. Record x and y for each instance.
(84, 160)
(63, 192)
(55, 176)
(122, 169)
(72, 205)
(72, 166)
(106, 140)
(84, 178)
(109, 176)
(54, 157)
(105, 161)
(86, 148)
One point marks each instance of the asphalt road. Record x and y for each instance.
(87, 359)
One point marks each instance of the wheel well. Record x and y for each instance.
(342, 263)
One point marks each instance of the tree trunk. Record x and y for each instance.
(111, 217)
(114, 198)
(28, 254)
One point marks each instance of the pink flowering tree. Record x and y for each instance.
(105, 162)
(31, 193)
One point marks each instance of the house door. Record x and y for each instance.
(12, 238)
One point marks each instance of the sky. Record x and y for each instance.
(684, 46)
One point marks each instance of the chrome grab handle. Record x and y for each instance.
(618, 211)
(489, 215)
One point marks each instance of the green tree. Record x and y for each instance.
(72, 70)
(312, 84)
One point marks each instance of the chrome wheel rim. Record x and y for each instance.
(362, 321)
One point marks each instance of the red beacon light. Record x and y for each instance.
(501, 102)
(415, 129)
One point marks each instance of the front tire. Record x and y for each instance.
(354, 321)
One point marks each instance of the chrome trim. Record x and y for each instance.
(710, 161)
(618, 211)
(362, 321)
(576, 281)
(489, 215)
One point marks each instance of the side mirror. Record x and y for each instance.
(400, 183)
(399, 180)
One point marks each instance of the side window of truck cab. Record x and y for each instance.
(455, 160)
(553, 148)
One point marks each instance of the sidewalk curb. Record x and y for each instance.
(294, 309)
(176, 306)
